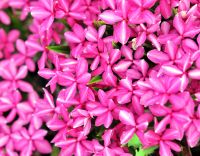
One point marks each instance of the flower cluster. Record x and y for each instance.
(114, 69)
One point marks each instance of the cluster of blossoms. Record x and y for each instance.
(114, 69)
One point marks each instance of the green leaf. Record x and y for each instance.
(145, 152)
(99, 23)
(135, 142)
(175, 11)
(150, 150)
(59, 49)
(139, 152)
(55, 151)
(95, 80)
(114, 44)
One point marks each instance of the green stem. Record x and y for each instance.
(186, 150)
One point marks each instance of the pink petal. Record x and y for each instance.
(171, 49)
(122, 66)
(127, 135)
(135, 15)
(165, 9)
(95, 63)
(3, 140)
(4, 18)
(34, 45)
(43, 146)
(21, 46)
(70, 92)
(108, 120)
(30, 64)
(171, 70)
(192, 136)
(127, 52)
(178, 23)
(153, 38)
(157, 56)
(159, 110)
(110, 17)
(194, 74)
(82, 67)
(170, 134)
(55, 124)
(165, 26)
(111, 3)
(39, 13)
(151, 137)
(149, 17)
(108, 77)
(141, 39)
(49, 98)
(177, 102)
(25, 86)
(91, 34)
(16, 4)
(102, 97)
(78, 122)
(126, 117)
(161, 126)
(122, 32)
(98, 111)
(139, 2)
(85, 78)
(173, 146)
(22, 72)
(46, 73)
(126, 83)
(39, 134)
(101, 31)
(46, 24)
(148, 3)
(71, 37)
(164, 149)
(157, 84)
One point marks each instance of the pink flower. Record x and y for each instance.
(188, 28)
(23, 5)
(12, 102)
(104, 110)
(192, 130)
(82, 118)
(53, 75)
(75, 145)
(24, 56)
(71, 10)
(132, 126)
(4, 18)
(46, 107)
(91, 11)
(164, 140)
(158, 90)
(76, 38)
(13, 77)
(108, 147)
(171, 55)
(76, 81)
(140, 12)
(7, 140)
(147, 32)
(132, 69)
(7, 41)
(44, 11)
(177, 116)
(119, 19)
(31, 140)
